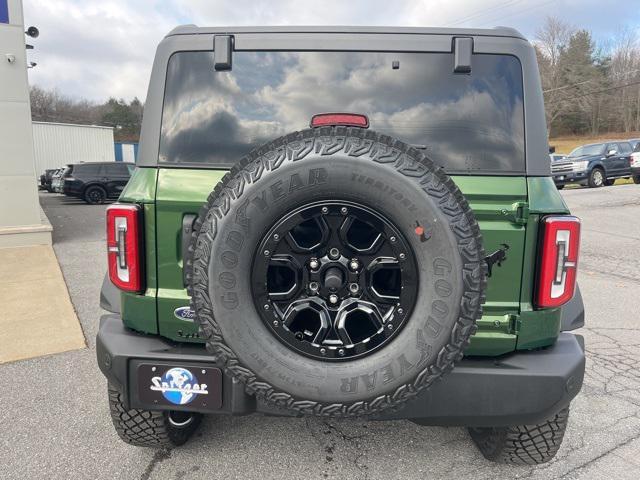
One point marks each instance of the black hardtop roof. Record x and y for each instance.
(486, 32)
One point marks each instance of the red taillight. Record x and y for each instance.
(345, 119)
(123, 246)
(558, 266)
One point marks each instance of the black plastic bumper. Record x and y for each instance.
(520, 388)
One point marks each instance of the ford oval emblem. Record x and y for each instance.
(185, 313)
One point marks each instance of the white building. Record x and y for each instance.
(58, 144)
(20, 220)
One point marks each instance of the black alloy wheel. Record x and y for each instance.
(334, 280)
(95, 195)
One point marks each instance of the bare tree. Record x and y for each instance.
(625, 69)
(552, 40)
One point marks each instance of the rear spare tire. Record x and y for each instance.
(336, 272)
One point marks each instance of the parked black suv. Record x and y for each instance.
(595, 165)
(95, 182)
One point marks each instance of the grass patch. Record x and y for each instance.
(564, 145)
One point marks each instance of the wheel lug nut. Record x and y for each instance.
(276, 323)
(341, 352)
(400, 311)
(266, 306)
(267, 253)
(402, 256)
(313, 286)
(314, 264)
(390, 326)
(343, 210)
(354, 264)
(325, 210)
(323, 351)
(333, 298)
(392, 239)
(354, 287)
(276, 236)
(334, 253)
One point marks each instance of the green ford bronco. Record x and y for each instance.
(344, 222)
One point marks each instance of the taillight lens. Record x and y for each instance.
(123, 246)
(344, 119)
(558, 266)
(635, 160)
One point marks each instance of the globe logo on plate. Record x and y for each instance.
(179, 386)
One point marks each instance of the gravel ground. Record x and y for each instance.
(55, 421)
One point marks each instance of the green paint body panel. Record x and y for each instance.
(180, 192)
(507, 208)
(141, 187)
(139, 312)
(544, 196)
(537, 328)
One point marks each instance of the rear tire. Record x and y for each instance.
(596, 178)
(94, 195)
(523, 444)
(559, 187)
(608, 183)
(636, 179)
(147, 428)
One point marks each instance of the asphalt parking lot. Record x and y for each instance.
(55, 421)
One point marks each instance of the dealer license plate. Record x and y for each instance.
(197, 388)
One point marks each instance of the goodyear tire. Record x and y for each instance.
(358, 167)
(148, 428)
(522, 444)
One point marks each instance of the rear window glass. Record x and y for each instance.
(118, 169)
(465, 123)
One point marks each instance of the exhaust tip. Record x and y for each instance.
(180, 419)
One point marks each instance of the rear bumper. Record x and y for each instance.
(519, 388)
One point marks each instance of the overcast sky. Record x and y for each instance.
(101, 48)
